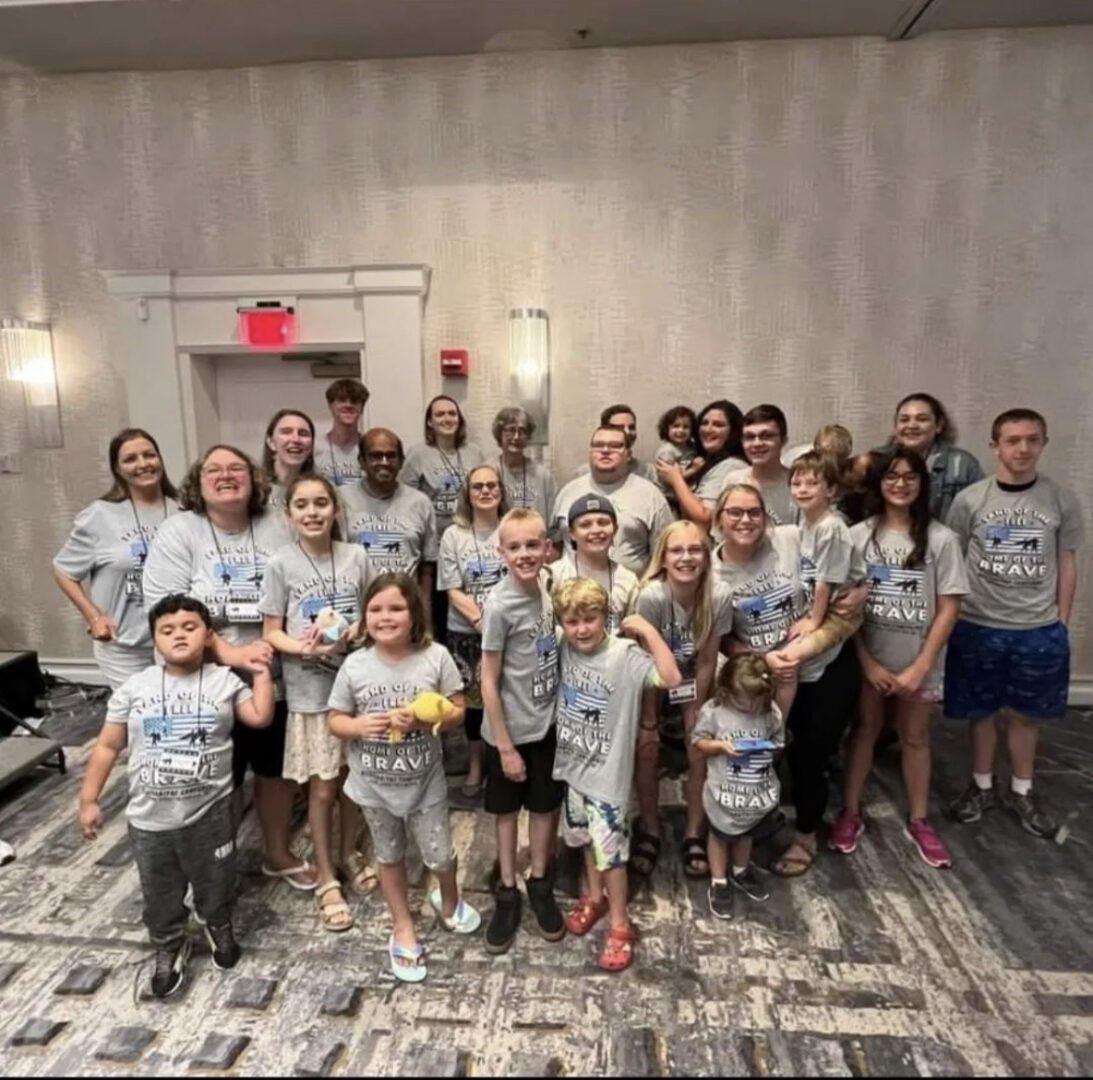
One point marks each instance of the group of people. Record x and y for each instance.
(326, 616)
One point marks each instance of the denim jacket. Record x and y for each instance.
(951, 470)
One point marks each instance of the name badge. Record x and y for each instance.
(242, 611)
(444, 503)
(685, 692)
(134, 585)
(173, 766)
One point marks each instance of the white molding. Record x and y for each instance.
(80, 671)
(1081, 692)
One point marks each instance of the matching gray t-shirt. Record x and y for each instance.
(180, 744)
(299, 586)
(619, 583)
(597, 716)
(439, 474)
(519, 624)
(529, 486)
(109, 544)
(902, 601)
(406, 776)
(828, 555)
(397, 532)
(717, 478)
(339, 464)
(470, 561)
(1012, 541)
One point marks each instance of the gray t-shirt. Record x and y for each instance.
(642, 511)
(520, 625)
(340, 465)
(781, 509)
(716, 479)
(739, 791)
(597, 718)
(530, 486)
(472, 562)
(827, 554)
(180, 744)
(109, 543)
(619, 583)
(645, 469)
(1012, 541)
(224, 570)
(439, 474)
(398, 533)
(402, 777)
(902, 600)
(299, 586)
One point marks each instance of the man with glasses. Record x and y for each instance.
(625, 420)
(639, 504)
(764, 438)
(393, 522)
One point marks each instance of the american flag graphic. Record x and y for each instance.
(580, 705)
(770, 607)
(895, 580)
(380, 542)
(1014, 539)
(343, 603)
(753, 768)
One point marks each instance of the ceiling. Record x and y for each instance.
(53, 36)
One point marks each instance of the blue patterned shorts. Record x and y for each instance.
(601, 824)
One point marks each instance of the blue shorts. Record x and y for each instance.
(1027, 671)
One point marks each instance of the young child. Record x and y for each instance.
(396, 771)
(519, 686)
(742, 788)
(677, 429)
(592, 527)
(597, 717)
(310, 603)
(177, 721)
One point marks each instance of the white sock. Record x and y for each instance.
(983, 780)
(719, 881)
(1020, 787)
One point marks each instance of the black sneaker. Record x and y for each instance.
(749, 884)
(972, 804)
(505, 921)
(1031, 817)
(721, 899)
(226, 951)
(548, 918)
(170, 969)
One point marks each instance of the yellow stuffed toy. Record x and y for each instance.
(430, 708)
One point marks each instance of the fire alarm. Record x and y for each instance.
(269, 324)
(455, 362)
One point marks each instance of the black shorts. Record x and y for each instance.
(761, 827)
(538, 792)
(262, 749)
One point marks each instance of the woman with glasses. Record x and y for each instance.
(528, 484)
(216, 550)
(917, 578)
(101, 566)
(470, 566)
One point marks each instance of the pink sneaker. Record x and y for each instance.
(930, 846)
(846, 832)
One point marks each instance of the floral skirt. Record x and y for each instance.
(310, 749)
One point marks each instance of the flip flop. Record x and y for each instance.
(465, 920)
(287, 876)
(405, 972)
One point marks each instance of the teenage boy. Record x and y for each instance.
(336, 456)
(1011, 648)
(764, 438)
(519, 686)
(177, 722)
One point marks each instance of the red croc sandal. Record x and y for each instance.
(585, 915)
(618, 949)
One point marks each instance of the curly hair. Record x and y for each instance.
(189, 493)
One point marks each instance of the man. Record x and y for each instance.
(764, 438)
(625, 419)
(1010, 650)
(640, 505)
(336, 456)
(393, 522)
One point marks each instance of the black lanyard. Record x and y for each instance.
(257, 580)
(455, 470)
(140, 527)
(332, 595)
(523, 481)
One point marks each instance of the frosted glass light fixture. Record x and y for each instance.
(529, 367)
(26, 349)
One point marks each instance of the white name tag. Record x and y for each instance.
(172, 766)
(243, 611)
(685, 692)
(134, 584)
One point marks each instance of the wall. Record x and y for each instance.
(826, 224)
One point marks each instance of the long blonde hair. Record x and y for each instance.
(702, 615)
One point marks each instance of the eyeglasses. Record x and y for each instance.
(759, 436)
(695, 551)
(906, 479)
(738, 513)
(382, 455)
(608, 447)
(219, 470)
(515, 429)
(487, 485)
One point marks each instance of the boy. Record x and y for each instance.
(592, 527)
(598, 713)
(519, 685)
(336, 456)
(177, 721)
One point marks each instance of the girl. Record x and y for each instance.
(107, 548)
(399, 781)
(678, 596)
(470, 565)
(313, 582)
(917, 572)
(738, 732)
(676, 429)
(527, 483)
(287, 452)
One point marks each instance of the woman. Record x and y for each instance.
(470, 566)
(917, 576)
(720, 425)
(527, 483)
(216, 549)
(922, 424)
(101, 566)
(760, 565)
(287, 452)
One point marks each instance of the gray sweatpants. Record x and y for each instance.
(201, 855)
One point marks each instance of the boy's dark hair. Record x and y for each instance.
(767, 414)
(173, 604)
(612, 410)
(677, 412)
(419, 620)
(1012, 416)
(348, 389)
(821, 465)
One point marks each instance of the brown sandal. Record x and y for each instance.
(333, 910)
(789, 864)
(359, 876)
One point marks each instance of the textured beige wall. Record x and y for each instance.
(825, 224)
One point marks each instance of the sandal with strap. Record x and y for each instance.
(407, 963)
(644, 853)
(333, 910)
(359, 876)
(585, 915)
(618, 949)
(695, 862)
(789, 864)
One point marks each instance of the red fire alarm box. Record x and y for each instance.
(267, 325)
(455, 362)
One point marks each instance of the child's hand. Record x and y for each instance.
(373, 725)
(512, 765)
(782, 665)
(91, 820)
(728, 749)
(908, 681)
(255, 657)
(880, 678)
(260, 670)
(635, 626)
(402, 719)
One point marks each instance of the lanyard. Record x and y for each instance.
(523, 481)
(140, 527)
(478, 550)
(257, 580)
(163, 689)
(331, 596)
(455, 470)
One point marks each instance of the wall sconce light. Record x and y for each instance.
(529, 367)
(27, 352)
